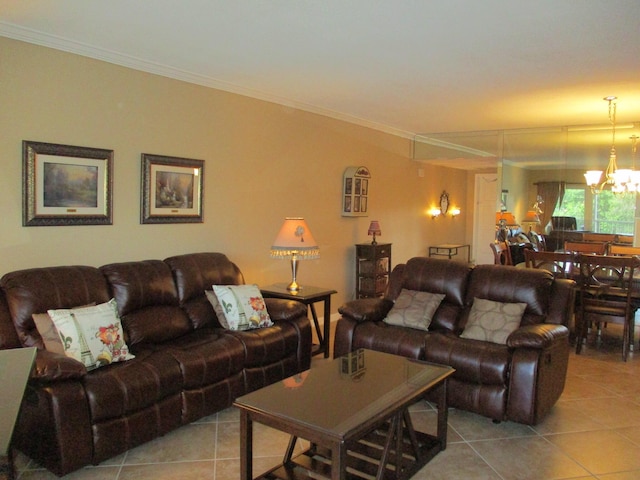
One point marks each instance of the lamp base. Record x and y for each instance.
(293, 286)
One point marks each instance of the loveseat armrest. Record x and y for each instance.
(539, 336)
(54, 367)
(281, 310)
(366, 309)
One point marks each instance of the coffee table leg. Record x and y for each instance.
(443, 415)
(246, 446)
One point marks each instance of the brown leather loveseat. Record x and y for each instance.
(518, 381)
(185, 367)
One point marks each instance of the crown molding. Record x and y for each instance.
(17, 32)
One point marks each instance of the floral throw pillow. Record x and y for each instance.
(414, 309)
(92, 335)
(239, 307)
(493, 321)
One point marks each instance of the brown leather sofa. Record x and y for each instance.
(185, 367)
(519, 381)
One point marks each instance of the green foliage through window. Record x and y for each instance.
(609, 213)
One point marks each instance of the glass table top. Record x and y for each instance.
(338, 396)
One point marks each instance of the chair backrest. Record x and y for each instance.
(501, 253)
(616, 249)
(599, 237)
(538, 241)
(564, 223)
(596, 248)
(614, 274)
(560, 264)
(624, 239)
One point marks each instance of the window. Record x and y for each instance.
(601, 213)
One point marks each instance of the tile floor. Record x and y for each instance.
(593, 432)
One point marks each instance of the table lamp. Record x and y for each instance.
(531, 219)
(374, 229)
(296, 242)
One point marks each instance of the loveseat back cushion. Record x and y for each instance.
(37, 290)
(8, 335)
(147, 301)
(436, 275)
(508, 284)
(194, 273)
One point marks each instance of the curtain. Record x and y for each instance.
(551, 193)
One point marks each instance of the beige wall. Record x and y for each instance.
(262, 162)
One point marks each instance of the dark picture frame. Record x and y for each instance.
(66, 185)
(172, 189)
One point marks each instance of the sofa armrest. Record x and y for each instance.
(537, 336)
(281, 310)
(53, 367)
(366, 309)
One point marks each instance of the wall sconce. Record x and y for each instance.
(434, 212)
(455, 211)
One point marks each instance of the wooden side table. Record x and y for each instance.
(308, 295)
(449, 250)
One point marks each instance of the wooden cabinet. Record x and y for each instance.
(373, 266)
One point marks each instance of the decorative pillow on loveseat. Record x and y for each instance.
(414, 309)
(493, 321)
(239, 307)
(92, 335)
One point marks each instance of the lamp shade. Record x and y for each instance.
(295, 238)
(374, 228)
(531, 217)
(508, 217)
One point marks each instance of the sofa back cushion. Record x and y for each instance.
(435, 275)
(509, 284)
(196, 272)
(8, 335)
(37, 290)
(147, 301)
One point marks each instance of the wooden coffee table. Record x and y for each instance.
(354, 412)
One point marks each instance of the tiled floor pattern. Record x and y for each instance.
(593, 432)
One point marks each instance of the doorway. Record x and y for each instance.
(484, 230)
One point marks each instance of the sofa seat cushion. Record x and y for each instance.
(120, 389)
(403, 341)
(207, 356)
(265, 346)
(475, 361)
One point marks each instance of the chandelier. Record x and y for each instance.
(619, 180)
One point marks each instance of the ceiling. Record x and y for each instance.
(403, 66)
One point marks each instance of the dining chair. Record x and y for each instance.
(624, 239)
(501, 253)
(599, 237)
(560, 264)
(596, 248)
(616, 249)
(608, 293)
(538, 241)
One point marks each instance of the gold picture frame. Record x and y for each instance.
(66, 185)
(172, 189)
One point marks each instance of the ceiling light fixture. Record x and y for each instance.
(622, 180)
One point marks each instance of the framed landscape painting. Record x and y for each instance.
(66, 185)
(172, 189)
